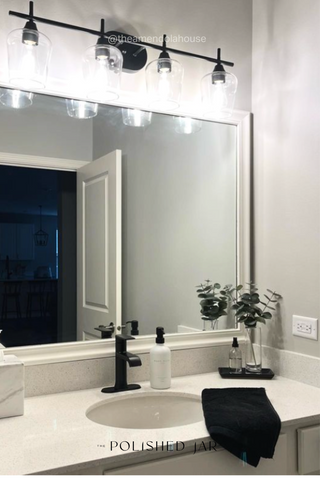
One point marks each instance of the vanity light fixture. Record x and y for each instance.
(218, 91)
(81, 109)
(164, 78)
(28, 55)
(133, 117)
(15, 98)
(187, 125)
(114, 52)
(102, 67)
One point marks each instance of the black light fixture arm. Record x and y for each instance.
(102, 33)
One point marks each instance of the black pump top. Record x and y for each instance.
(235, 343)
(160, 332)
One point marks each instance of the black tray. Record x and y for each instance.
(266, 374)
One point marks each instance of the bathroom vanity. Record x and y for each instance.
(55, 436)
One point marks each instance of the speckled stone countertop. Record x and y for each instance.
(55, 436)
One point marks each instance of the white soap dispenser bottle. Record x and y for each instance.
(160, 363)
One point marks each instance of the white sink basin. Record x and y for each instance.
(147, 411)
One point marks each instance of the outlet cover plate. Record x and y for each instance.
(305, 327)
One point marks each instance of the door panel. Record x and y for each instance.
(99, 244)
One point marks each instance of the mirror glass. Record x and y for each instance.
(178, 218)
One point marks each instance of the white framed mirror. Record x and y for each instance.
(163, 203)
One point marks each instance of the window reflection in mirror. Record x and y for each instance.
(178, 220)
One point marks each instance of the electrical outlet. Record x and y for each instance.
(305, 327)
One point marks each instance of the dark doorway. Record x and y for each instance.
(37, 256)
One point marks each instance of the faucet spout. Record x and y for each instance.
(133, 360)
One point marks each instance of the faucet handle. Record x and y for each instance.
(124, 338)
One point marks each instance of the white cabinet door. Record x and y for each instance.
(8, 241)
(25, 241)
(99, 244)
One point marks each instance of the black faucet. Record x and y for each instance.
(121, 359)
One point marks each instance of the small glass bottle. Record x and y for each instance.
(235, 357)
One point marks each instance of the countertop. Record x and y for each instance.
(55, 436)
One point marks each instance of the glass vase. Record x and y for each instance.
(253, 350)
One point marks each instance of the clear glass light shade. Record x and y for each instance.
(15, 98)
(102, 67)
(27, 61)
(81, 110)
(187, 125)
(218, 94)
(164, 83)
(136, 118)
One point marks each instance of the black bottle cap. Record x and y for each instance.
(160, 333)
(134, 327)
(235, 343)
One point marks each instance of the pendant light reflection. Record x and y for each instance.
(219, 90)
(102, 67)
(29, 53)
(41, 237)
(164, 81)
(15, 98)
(187, 125)
(81, 110)
(136, 118)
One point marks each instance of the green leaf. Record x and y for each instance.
(261, 320)
(217, 285)
(251, 323)
(207, 289)
(239, 287)
(266, 315)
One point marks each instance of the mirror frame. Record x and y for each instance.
(93, 349)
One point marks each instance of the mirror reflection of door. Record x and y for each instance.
(99, 246)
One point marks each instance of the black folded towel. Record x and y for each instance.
(243, 421)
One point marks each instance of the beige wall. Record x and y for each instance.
(286, 106)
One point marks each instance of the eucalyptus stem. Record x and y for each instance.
(252, 349)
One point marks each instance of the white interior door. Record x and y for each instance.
(99, 245)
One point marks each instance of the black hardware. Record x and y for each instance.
(134, 327)
(30, 35)
(106, 331)
(134, 58)
(221, 77)
(164, 66)
(121, 359)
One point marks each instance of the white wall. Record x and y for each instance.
(286, 106)
(45, 129)
(224, 23)
(179, 217)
